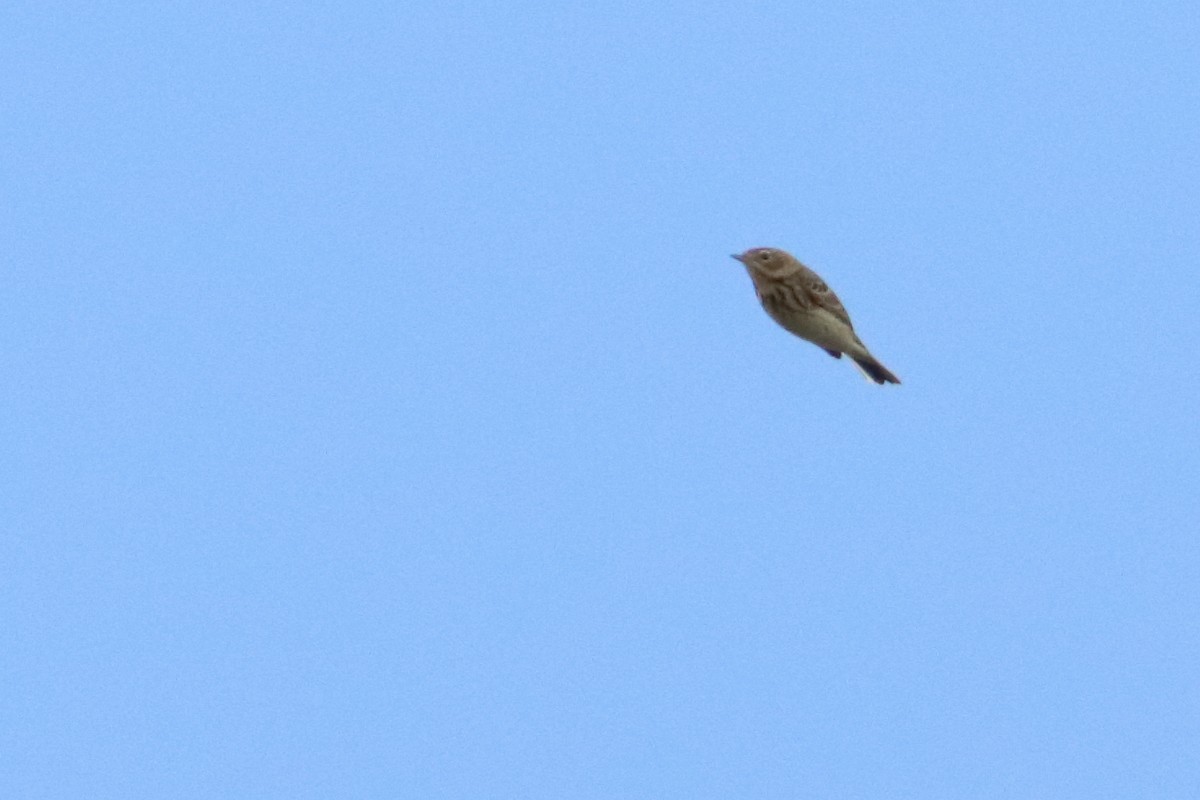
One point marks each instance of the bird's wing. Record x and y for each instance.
(822, 296)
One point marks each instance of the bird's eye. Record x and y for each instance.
(764, 256)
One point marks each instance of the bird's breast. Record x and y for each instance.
(788, 307)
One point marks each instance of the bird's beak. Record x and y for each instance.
(738, 257)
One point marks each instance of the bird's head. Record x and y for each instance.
(769, 262)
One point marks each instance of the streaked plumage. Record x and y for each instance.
(803, 304)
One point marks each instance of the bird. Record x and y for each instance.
(796, 297)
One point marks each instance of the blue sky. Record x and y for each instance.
(384, 415)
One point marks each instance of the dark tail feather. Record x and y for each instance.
(875, 371)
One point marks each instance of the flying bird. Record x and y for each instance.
(796, 297)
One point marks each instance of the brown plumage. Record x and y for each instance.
(796, 297)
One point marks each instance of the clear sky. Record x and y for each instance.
(383, 416)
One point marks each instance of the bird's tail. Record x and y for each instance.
(873, 369)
